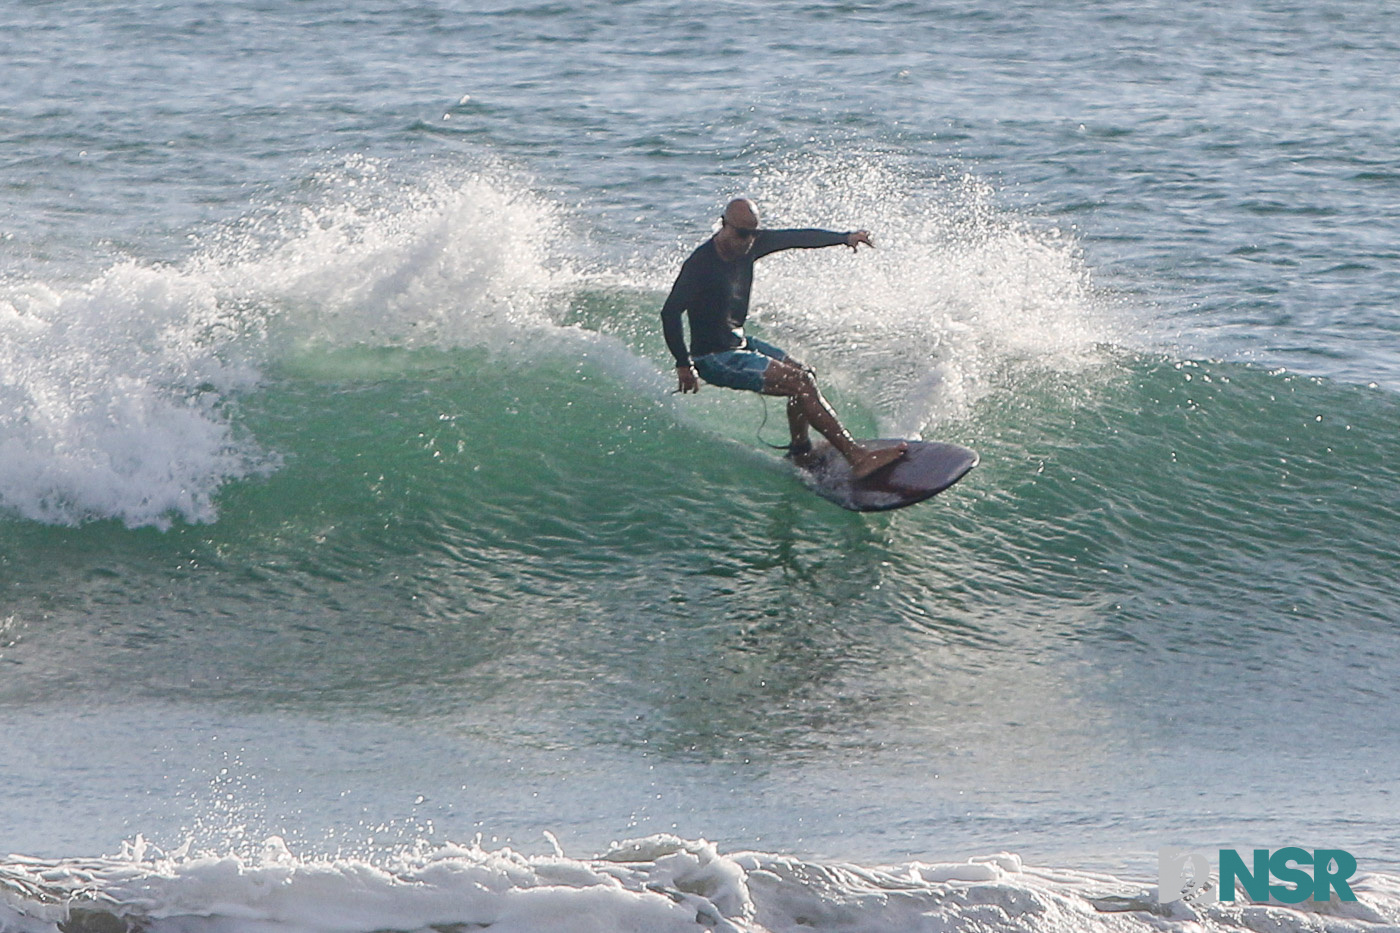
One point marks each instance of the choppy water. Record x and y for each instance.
(347, 513)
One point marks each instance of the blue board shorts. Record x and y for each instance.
(739, 369)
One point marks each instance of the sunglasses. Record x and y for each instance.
(747, 233)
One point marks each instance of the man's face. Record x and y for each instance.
(741, 236)
(740, 227)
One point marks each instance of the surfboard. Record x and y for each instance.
(928, 468)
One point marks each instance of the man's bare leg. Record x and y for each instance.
(797, 428)
(797, 422)
(785, 379)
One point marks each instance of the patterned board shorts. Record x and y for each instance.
(739, 369)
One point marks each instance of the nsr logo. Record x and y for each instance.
(1186, 876)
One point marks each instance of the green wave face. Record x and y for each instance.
(469, 523)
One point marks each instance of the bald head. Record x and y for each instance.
(741, 212)
(740, 229)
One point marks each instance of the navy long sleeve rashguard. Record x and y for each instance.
(714, 292)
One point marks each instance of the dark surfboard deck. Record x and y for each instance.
(928, 468)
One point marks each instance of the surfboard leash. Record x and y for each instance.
(762, 424)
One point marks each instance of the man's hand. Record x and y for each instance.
(853, 240)
(689, 381)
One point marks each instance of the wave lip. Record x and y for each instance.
(112, 400)
(659, 883)
(117, 394)
(960, 294)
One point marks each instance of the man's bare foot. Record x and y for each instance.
(801, 454)
(867, 461)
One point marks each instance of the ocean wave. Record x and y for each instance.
(126, 395)
(120, 393)
(114, 399)
(658, 883)
(123, 391)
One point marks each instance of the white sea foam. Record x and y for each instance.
(112, 399)
(441, 261)
(655, 884)
(959, 293)
(115, 394)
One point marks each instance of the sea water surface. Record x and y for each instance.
(360, 571)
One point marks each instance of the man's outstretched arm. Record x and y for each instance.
(771, 241)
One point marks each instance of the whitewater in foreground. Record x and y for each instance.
(656, 884)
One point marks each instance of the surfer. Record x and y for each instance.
(713, 291)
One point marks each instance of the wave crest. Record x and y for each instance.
(660, 883)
